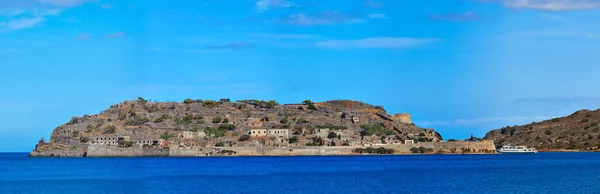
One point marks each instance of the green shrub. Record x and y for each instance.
(89, 128)
(226, 127)
(293, 139)
(378, 129)
(415, 150)
(225, 120)
(215, 132)
(244, 137)
(585, 120)
(167, 135)
(548, 132)
(188, 101)
(110, 129)
(370, 150)
(217, 120)
(332, 127)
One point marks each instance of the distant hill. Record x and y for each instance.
(577, 131)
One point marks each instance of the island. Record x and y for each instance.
(577, 132)
(246, 128)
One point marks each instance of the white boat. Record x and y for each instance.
(508, 149)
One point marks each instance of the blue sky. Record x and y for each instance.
(460, 66)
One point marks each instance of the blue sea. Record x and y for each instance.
(528, 173)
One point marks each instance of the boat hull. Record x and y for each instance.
(513, 152)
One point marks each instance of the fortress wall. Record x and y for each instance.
(100, 151)
(177, 152)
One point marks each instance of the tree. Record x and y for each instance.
(188, 101)
(244, 137)
(225, 120)
(223, 100)
(293, 139)
(142, 100)
(306, 102)
(331, 135)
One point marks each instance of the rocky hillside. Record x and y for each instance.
(223, 120)
(579, 130)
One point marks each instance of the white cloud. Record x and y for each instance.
(378, 15)
(376, 42)
(64, 3)
(590, 35)
(22, 14)
(20, 24)
(265, 5)
(553, 5)
(288, 36)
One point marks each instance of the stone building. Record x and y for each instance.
(103, 140)
(355, 120)
(258, 132)
(278, 133)
(323, 133)
(188, 134)
(270, 132)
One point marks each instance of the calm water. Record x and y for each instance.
(539, 173)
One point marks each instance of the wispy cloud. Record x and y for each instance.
(287, 36)
(559, 100)
(590, 35)
(20, 24)
(549, 5)
(84, 36)
(265, 5)
(378, 15)
(64, 3)
(553, 17)
(116, 35)
(207, 49)
(23, 14)
(107, 6)
(376, 42)
(373, 4)
(323, 18)
(231, 46)
(485, 120)
(455, 17)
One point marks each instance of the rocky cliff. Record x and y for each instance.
(577, 131)
(194, 124)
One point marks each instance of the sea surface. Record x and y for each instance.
(499, 173)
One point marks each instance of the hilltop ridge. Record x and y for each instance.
(577, 131)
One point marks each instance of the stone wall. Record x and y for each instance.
(100, 151)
